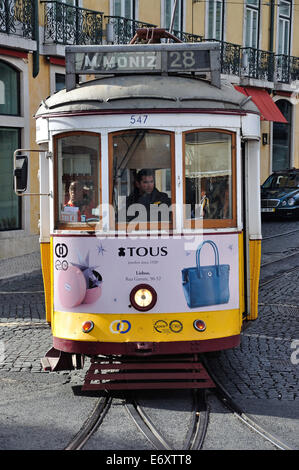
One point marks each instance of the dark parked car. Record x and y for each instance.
(280, 194)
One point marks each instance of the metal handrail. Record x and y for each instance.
(68, 24)
(17, 18)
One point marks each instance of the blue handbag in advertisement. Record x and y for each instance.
(206, 285)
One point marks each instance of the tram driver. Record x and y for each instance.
(146, 194)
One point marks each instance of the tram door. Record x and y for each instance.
(250, 152)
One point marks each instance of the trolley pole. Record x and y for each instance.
(172, 17)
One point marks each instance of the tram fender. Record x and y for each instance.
(56, 360)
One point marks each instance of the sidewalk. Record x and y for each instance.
(20, 265)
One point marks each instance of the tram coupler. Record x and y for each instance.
(56, 360)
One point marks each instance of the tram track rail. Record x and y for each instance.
(283, 272)
(194, 438)
(281, 264)
(227, 401)
(292, 255)
(196, 431)
(283, 234)
(92, 423)
(21, 292)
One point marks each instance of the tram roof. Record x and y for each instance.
(146, 92)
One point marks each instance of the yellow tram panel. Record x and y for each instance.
(146, 327)
(255, 253)
(47, 264)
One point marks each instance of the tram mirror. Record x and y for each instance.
(21, 173)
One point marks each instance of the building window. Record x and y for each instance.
(10, 204)
(215, 11)
(252, 23)
(9, 90)
(178, 18)
(282, 137)
(59, 81)
(10, 140)
(284, 26)
(124, 8)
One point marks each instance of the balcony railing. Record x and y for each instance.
(229, 57)
(17, 18)
(124, 29)
(187, 37)
(67, 24)
(287, 68)
(257, 64)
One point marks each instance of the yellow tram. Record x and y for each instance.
(150, 230)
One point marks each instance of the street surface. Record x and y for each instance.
(41, 410)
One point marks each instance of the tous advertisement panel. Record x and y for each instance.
(100, 275)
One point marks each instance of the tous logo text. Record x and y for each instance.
(142, 251)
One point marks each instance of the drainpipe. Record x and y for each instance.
(35, 68)
(173, 16)
(272, 12)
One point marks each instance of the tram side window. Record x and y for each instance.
(208, 177)
(78, 177)
(142, 177)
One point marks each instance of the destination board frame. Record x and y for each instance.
(142, 59)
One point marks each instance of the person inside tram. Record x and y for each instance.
(219, 198)
(79, 197)
(146, 193)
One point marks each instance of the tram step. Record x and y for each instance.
(131, 374)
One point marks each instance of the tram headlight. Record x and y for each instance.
(143, 297)
(199, 325)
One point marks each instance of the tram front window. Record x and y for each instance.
(142, 177)
(209, 178)
(77, 177)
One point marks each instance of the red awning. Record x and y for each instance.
(261, 98)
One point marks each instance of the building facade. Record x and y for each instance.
(259, 43)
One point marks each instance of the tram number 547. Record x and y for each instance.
(138, 119)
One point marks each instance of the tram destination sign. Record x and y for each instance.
(152, 58)
(145, 61)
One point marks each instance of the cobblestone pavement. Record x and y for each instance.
(25, 336)
(264, 364)
(264, 369)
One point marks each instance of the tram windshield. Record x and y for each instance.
(208, 175)
(78, 177)
(142, 176)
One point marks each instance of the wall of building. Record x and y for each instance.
(37, 94)
(150, 12)
(234, 22)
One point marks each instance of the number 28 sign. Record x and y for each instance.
(187, 60)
